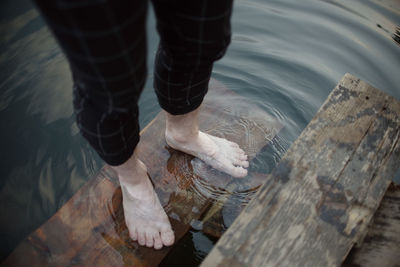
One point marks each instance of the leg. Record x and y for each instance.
(105, 44)
(193, 35)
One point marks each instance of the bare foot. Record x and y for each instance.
(144, 216)
(182, 133)
(219, 153)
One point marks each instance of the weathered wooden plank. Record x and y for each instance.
(381, 247)
(318, 201)
(89, 230)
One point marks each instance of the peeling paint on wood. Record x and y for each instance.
(318, 201)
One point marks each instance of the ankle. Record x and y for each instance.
(133, 172)
(136, 182)
(182, 128)
(180, 136)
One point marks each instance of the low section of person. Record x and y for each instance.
(105, 44)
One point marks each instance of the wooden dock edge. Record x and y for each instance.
(319, 200)
(381, 246)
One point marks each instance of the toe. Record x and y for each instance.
(141, 238)
(238, 172)
(241, 163)
(241, 172)
(167, 237)
(157, 241)
(133, 234)
(149, 239)
(243, 157)
(244, 163)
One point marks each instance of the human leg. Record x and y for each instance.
(105, 44)
(193, 35)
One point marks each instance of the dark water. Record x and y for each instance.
(285, 55)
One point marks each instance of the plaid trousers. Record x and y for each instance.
(105, 44)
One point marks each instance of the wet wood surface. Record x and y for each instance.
(89, 230)
(381, 246)
(319, 200)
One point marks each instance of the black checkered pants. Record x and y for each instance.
(105, 43)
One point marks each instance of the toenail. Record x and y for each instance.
(142, 240)
(158, 244)
(134, 237)
(168, 238)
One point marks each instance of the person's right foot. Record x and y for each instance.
(145, 218)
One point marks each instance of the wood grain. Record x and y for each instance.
(381, 246)
(89, 230)
(318, 201)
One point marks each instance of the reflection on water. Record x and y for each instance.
(285, 55)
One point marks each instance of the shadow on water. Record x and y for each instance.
(286, 59)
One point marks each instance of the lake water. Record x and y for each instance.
(286, 56)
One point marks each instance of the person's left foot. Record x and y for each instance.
(219, 153)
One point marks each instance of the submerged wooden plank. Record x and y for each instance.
(318, 201)
(381, 247)
(89, 230)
